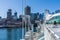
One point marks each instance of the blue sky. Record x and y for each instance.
(36, 5)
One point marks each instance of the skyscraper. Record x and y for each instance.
(57, 11)
(27, 10)
(38, 16)
(9, 14)
(15, 16)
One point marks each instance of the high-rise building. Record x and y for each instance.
(15, 16)
(46, 11)
(38, 16)
(20, 18)
(57, 11)
(27, 10)
(9, 14)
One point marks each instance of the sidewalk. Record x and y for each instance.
(35, 36)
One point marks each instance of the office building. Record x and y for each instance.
(9, 14)
(27, 10)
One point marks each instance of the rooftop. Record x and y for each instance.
(51, 16)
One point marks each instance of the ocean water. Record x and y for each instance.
(11, 33)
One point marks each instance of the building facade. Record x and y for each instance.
(27, 10)
(9, 14)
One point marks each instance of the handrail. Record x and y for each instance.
(52, 32)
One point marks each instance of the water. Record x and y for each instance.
(11, 33)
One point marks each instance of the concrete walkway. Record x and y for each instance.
(35, 36)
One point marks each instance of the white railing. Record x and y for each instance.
(49, 34)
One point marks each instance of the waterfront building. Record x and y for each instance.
(20, 18)
(51, 31)
(55, 17)
(42, 17)
(34, 16)
(9, 14)
(0, 18)
(27, 10)
(46, 15)
(38, 16)
(15, 16)
(57, 11)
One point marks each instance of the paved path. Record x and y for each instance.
(35, 36)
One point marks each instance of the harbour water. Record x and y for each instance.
(11, 33)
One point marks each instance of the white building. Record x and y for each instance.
(51, 32)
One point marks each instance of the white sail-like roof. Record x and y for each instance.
(48, 16)
(57, 14)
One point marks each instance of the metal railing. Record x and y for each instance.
(50, 34)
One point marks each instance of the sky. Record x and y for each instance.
(36, 6)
